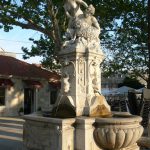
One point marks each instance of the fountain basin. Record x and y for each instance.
(120, 131)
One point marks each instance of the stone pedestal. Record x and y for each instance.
(80, 57)
(43, 133)
(132, 147)
(84, 134)
(81, 78)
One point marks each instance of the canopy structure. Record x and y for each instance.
(107, 91)
(124, 90)
(121, 90)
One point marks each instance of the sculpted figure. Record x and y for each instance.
(65, 82)
(83, 28)
(86, 25)
(72, 7)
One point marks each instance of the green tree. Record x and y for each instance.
(48, 18)
(38, 15)
(125, 31)
(129, 42)
(131, 82)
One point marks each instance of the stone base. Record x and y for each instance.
(133, 147)
(43, 133)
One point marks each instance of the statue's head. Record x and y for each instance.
(90, 10)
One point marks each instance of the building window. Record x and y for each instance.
(2, 96)
(53, 97)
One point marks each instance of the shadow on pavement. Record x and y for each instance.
(11, 131)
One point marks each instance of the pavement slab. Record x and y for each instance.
(11, 131)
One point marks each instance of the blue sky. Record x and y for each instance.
(13, 40)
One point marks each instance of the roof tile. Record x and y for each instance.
(15, 67)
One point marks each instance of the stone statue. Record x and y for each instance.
(65, 82)
(86, 25)
(72, 8)
(84, 28)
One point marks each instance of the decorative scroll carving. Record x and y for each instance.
(81, 74)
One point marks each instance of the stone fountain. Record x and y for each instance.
(81, 118)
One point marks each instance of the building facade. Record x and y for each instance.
(25, 88)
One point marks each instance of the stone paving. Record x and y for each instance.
(11, 130)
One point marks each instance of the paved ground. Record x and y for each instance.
(11, 133)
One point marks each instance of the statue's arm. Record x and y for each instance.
(81, 2)
(95, 23)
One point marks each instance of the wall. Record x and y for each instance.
(14, 98)
(44, 96)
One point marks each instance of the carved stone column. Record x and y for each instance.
(81, 78)
(84, 134)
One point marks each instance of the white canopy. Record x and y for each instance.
(124, 90)
(121, 90)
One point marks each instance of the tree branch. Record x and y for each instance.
(30, 25)
(52, 14)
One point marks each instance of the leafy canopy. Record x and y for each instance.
(124, 31)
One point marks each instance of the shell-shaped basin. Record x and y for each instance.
(120, 131)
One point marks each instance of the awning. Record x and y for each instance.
(55, 84)
(6, 82)
(33, 83)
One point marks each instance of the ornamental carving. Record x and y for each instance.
(83, 28)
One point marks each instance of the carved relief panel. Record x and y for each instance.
(81, 74)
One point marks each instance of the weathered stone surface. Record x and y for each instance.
(99, 107)
(41, 133)
(84, 134)
(119, 132)
(64, 111)
(80, 57)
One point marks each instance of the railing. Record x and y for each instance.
(118, 102)
(129, 103)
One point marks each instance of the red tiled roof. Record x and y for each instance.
(15, 67)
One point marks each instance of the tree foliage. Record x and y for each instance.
(38, 15)
(48, 17)
(131, 82)
(124, 31)
(129, 41)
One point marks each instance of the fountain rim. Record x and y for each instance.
(119, 118)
